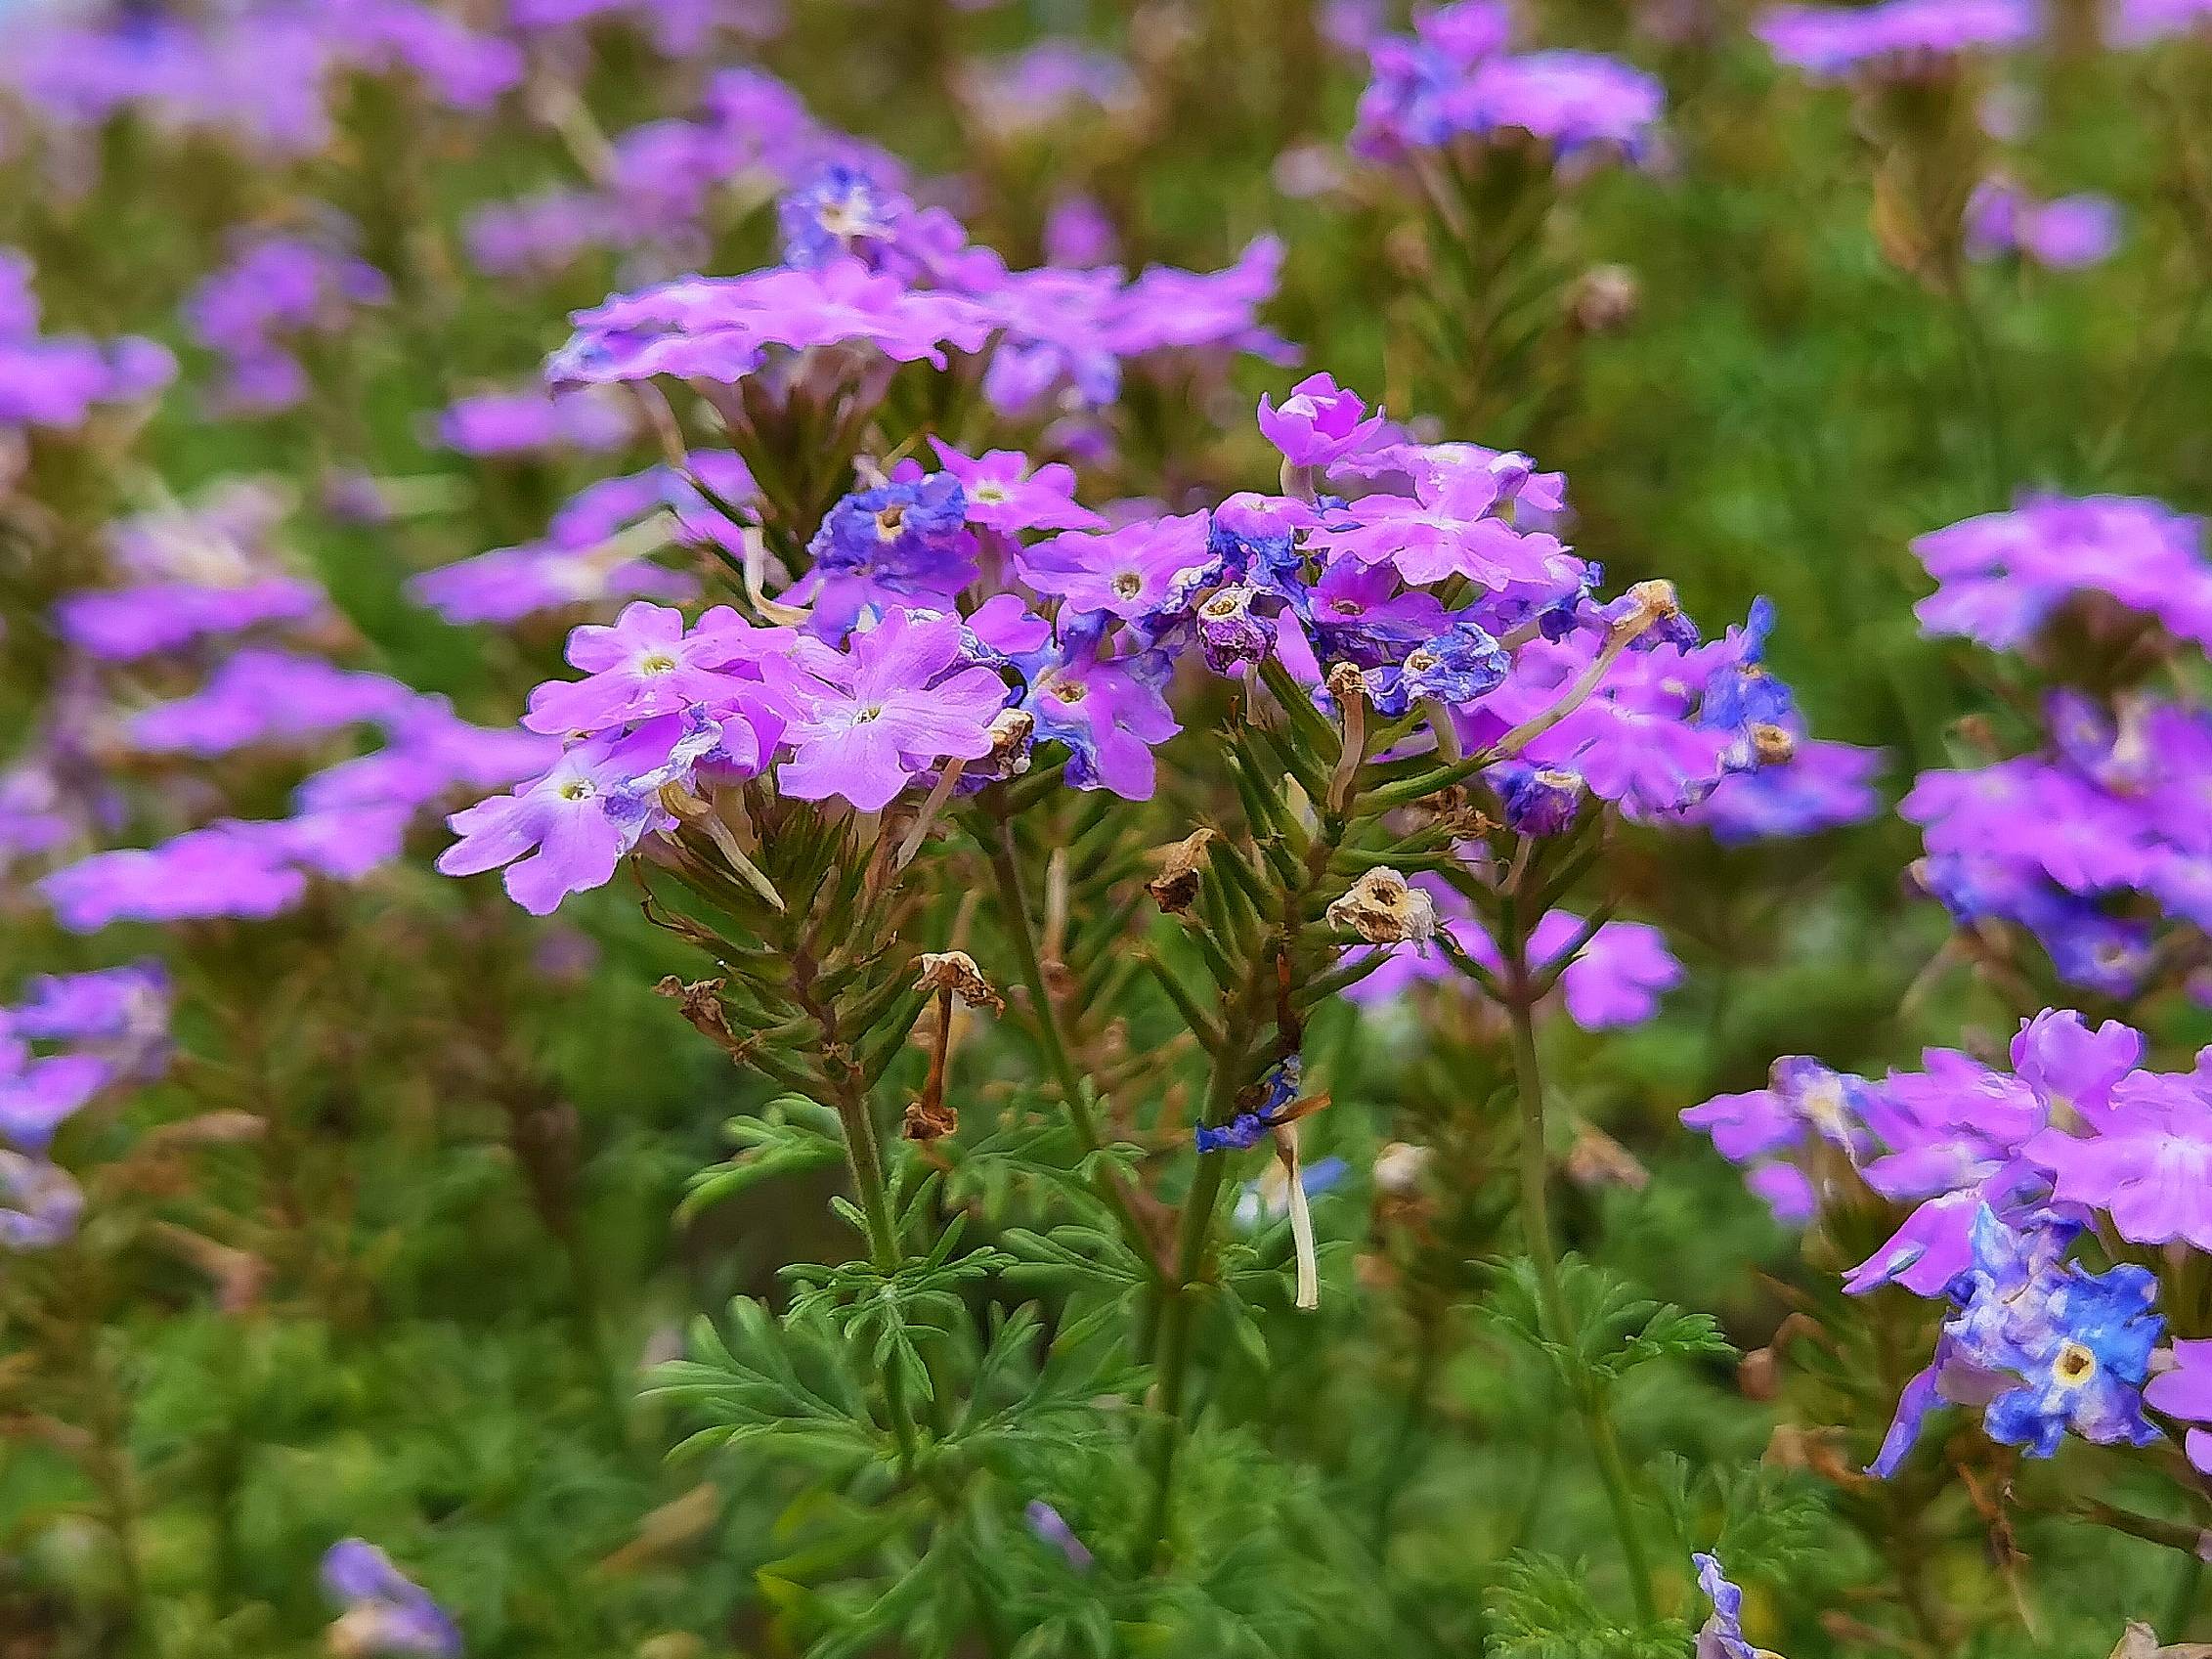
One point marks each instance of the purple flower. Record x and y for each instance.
(722, 329)
(1451, 527)
(39, 1092)
(124, 625)
(1821, 786)
(1320, 423)
(2002, 574)
(202, 874)
(1616, 979)
(1774, 1131)
(530, 422)
(1459, 665)
(1428, 92)
(120, 1015)
(1142, 571)
(1046, 1522)
(1005, 493)
(1721, 1635)
(265, 696)
(1895, 38)
(840, 212)
(647, 664)
(384, 1612)
(1362, 614)
(901, 541)
(277, 290)
(431, 752)
(568, 830)
(1538, 801)
(2146, 1161)
(1109, 712)
(39, 1203)
(2068, 234)
(2183, 1390)
(887, 709)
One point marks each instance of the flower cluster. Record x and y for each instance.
(1894, 38)
(1456, 79)
(196, 581)
(897, 674)
(2068, 234)
(2091, 840)
(2003, 1171)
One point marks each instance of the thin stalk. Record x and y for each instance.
(1558, 1319)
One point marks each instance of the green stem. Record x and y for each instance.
(1558, 1319)
(1014, 915)
(864, 1154)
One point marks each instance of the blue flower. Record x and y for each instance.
(1455, 668)
(841, 210)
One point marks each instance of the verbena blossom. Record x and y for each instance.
(937, 618)
(2143, 22)
(2044, 1347)
(599, 546)
(1454, 79)
(263, 696)
(894, 706)
(2003, 575)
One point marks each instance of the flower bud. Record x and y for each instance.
(1384, 908)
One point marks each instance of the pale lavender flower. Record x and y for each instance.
(889, 707)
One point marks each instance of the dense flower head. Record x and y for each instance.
(915, 292)
(1453, 79)
(1895, 38)
(2088, 845)
(2001, 576)
(944, 626)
